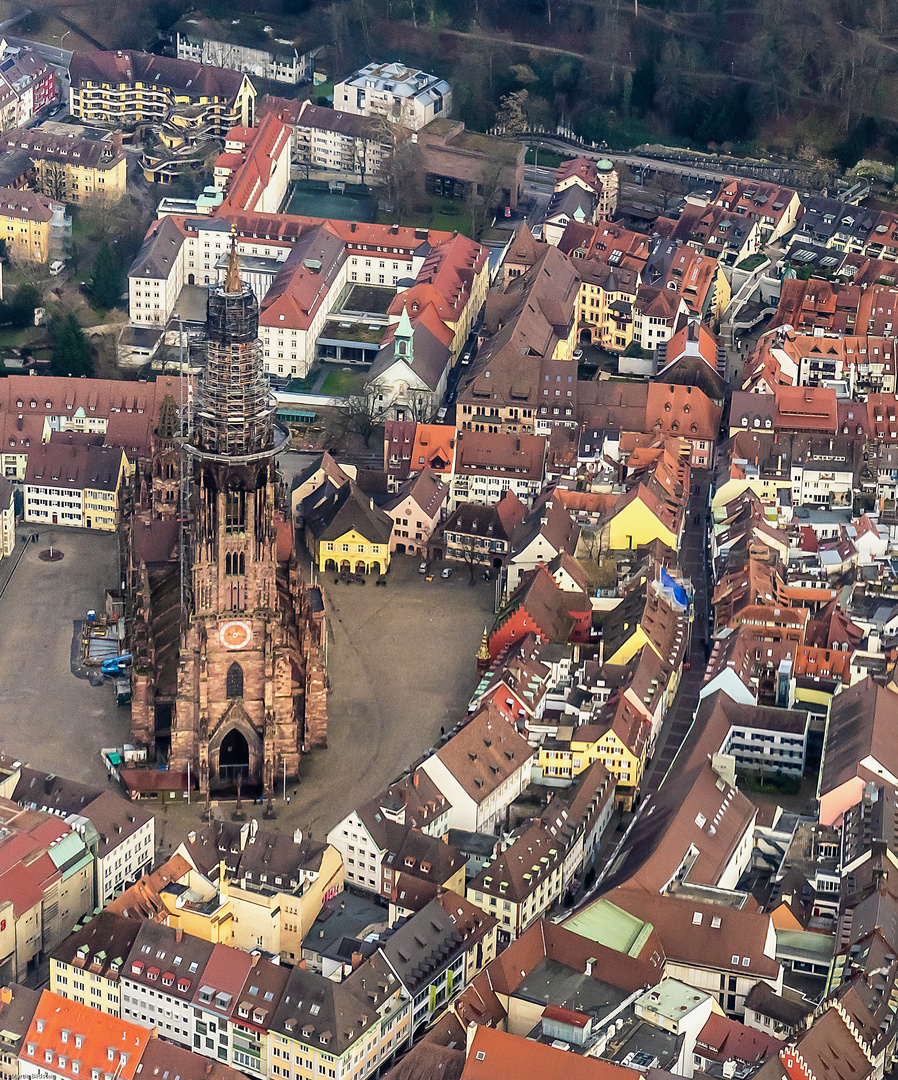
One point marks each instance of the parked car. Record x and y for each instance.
(578, 354)
(447, 572)
(422, 569)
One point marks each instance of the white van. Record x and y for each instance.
(57, 267)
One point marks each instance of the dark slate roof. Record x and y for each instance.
(430, 357)
(332, 1016)
(106, 940)
(423, 946)
(345, 509)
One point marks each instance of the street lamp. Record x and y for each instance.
(64, 37)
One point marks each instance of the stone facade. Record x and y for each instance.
(234, 677)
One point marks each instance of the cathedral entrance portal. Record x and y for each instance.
(233, 760)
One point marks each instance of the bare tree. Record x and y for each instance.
(468, 546)
(51, 178)
(486, 197)
(664, 192)
(364, 414)
(420, 404)
(401, 166)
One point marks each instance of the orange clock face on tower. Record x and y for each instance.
(235, 635)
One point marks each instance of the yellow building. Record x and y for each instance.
(340, 1029)
(639, 519)
(621, 745)
(199, 909)
(346, 532)
(28, 220)
(87, 966)
(277, 919)
(604, 305)
(182, 99)
(268, 899)
(57, 175)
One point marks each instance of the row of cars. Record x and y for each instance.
(425, 569)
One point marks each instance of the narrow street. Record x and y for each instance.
(694, 564)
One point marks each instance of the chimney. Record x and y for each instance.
(301, 965)
(415, 779)
(191, 837)
(179, 934)
(352, 226)
(357, 959)
(5, 995)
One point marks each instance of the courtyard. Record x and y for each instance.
(48, 716)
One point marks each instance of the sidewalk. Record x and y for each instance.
(8, 566)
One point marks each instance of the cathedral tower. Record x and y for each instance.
(243, 657)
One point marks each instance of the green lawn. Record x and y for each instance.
(547, 158)
(302, 386)
(10, 338)
(340, 383)
(445, 215)
(752, 262)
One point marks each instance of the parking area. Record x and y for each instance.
(48, 716)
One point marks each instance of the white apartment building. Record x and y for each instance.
(480, 787)
(280, 63)
(7, 519)
(126, 846)
(358, 836)
(403, 95)
(342, 142)
(160, 978)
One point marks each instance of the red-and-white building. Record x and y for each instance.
(27, 85)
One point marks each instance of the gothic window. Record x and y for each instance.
(234, 686)
(402, 348)
(235, 564)
(235, 510)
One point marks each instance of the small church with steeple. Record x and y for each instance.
(407, 381)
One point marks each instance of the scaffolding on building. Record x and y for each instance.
(234, 412)
(185, 410)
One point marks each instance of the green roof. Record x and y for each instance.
(607, 924)
(69, 847)
(805, 941)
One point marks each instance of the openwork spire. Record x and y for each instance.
(233, 282)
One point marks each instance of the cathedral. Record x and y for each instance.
(227, 679)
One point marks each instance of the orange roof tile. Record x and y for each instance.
(65, 1033)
